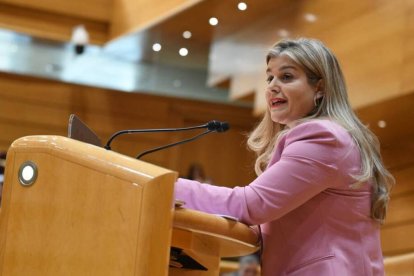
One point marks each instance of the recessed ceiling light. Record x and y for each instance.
(283, 33)
(310, 17)
(382, 124)
(213, 21)
(183, 52)
(242, 6)
(156, 47)
(187, 34)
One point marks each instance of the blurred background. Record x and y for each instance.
(173, 63)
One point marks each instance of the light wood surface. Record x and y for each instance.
(397, 149)
(129, 15)
(234, 237)
(228, 266)
(363, 34)
(204, 237)
(76, 8)
(402, 265)
(96, 212)
(53, 22)
(90, 212)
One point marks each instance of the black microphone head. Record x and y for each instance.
(218, 126)
(224, 126)
(213, 125)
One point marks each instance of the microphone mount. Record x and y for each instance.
(173, 144)
(212, 125)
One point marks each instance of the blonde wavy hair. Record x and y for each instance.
(319, 63)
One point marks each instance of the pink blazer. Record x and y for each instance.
(312, 222)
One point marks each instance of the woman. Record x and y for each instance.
(322, 190)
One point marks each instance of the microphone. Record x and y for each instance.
(212, 125)
(218, 126)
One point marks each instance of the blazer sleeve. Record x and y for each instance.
(309, 164)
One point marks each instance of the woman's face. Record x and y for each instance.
(289, 95)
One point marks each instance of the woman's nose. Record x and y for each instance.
(273, 87)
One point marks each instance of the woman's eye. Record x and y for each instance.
(286, 77)
(269, 79)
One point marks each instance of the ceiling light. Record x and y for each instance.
(283, 33)
(183, 52)
(156, 47)
(187, 34)
(310, 17)
(213, 21)
(242, 6)
(382, 124)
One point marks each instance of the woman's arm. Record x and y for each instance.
(309, 164)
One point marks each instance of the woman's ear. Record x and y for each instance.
(319, 94)
(319, 89)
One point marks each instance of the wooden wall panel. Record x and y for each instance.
(376, 32)
(32, 106)
(408, 66)
(373, 41)
(398, 239)
(93, 9)
(399, 227)
(397, 147)
(134, 15)
(405, 181)
(402, 265)
(50, 25)
(401, 209)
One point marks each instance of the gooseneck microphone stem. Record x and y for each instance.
(130, 131)
(174, 144)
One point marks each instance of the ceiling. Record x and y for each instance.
(169, 33)
(128, 63)
(35, 41)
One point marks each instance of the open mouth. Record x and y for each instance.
(277, 102)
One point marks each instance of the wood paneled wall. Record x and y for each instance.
(99, 10)
(402, 265)
(373, 41)
(104, 19)
(397, 146)
(32, 106)
(132, 15)
(397, 232)
(55, 19)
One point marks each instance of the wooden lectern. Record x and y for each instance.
(71, 208)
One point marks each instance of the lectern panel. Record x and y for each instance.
(89, 212)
